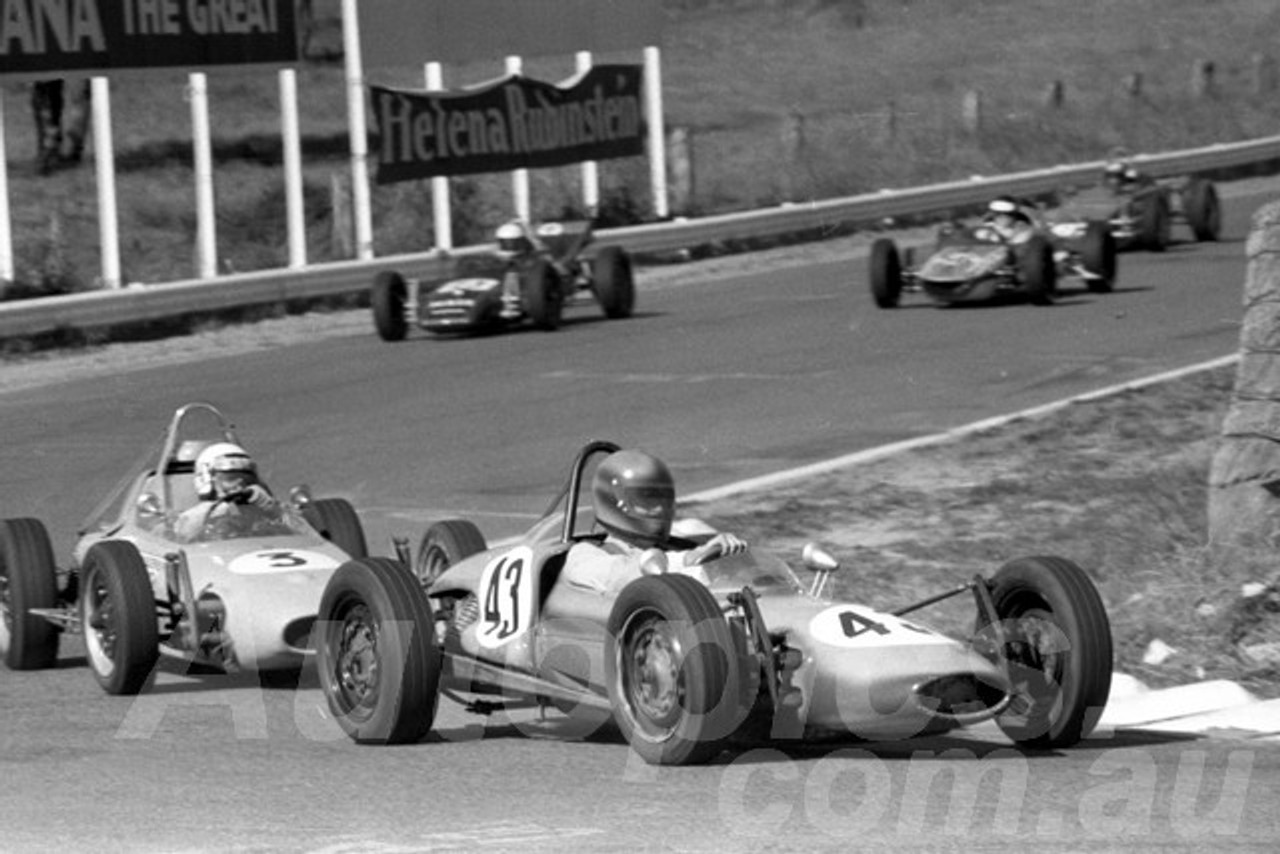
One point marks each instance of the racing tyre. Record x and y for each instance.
(1098, 254)
(377, 658)
(671, 670)
(337, 522)
(1057, 647)
(28, 579)
(444, 544)
(1154, 223)
(543, 295)
(1200, 205)
(388, 298)
(886, 273)
(614, 285)
(118, 617)
(1039, 273)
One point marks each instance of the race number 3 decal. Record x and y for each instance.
(506, 598)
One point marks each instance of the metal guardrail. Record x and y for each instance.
(133, 304)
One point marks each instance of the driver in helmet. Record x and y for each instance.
(515, 243)
(226, 482)
(634, 497)
(1120, 177)
(1008, 220)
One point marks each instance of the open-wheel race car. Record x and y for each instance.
(981, 262)
(1139, 209)
(686, 666)
(530, 278)
(222, 584)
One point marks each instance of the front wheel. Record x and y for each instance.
(614, 285)
(118, 617)
(377, 658)
(1154, 222)
(1038, 270)
(336, 520)
(1099, 257)
(388, 297)
(1057, 647)
(543, 295)
(886, 273)
(444, 544)
(1202, 210)
(671, 670)
(28, 579)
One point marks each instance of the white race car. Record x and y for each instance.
(242, 593)
(683, 665)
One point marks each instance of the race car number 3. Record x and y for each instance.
(506, 589)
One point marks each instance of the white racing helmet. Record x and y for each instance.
(223, 468)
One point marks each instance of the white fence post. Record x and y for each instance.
(202, 158)
(291, 142)
(442, 213)
(6, 224)
(520, 177)
(590, 168)
(657, 131)
(104, 161)
(357, 131)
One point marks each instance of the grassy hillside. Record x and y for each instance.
(873, 87)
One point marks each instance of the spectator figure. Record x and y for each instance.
(61, 123)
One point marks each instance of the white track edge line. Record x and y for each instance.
(880, 452)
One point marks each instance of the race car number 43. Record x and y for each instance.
(507, 605)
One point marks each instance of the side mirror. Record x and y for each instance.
(300, 496)
(820, 562)
(653, 562)
(149, 507)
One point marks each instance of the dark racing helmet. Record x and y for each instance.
(635, 497)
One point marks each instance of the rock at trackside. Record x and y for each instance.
(1244, 480)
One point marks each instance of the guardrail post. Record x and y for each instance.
(793, 155)
(1242, 512)
(1132, 85)
(680, 162)
(1055, 95)
(1202, 73)
(1264, 74)
(971, 111)
(342, 228)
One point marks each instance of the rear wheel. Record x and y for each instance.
(1057, 649)
(387, 299)
(1039, 273)
(377, 658)
(118, 617)
(613, 282)
(1200, 205)
(336, 520)
(886, 273)
(444, 544)
(543, 295)
(28, 579)
(671, 670)
(1099, 256)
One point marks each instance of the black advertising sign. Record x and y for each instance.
(48, 37)
(515, 123)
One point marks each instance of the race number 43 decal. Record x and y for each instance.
(506, 598)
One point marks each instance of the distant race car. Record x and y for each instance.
(684, 667)
(558, 272)
(238, 594)
(1142, 212)
(977, 263)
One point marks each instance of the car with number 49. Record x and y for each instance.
(686, 666)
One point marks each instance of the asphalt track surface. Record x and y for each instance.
(727, 380)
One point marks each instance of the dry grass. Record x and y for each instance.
(733, 71)
(1117, 485)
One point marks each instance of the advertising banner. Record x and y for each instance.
(514, 123)
(411, 32)
(48, 37)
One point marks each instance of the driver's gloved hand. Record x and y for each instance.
(254, 494)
